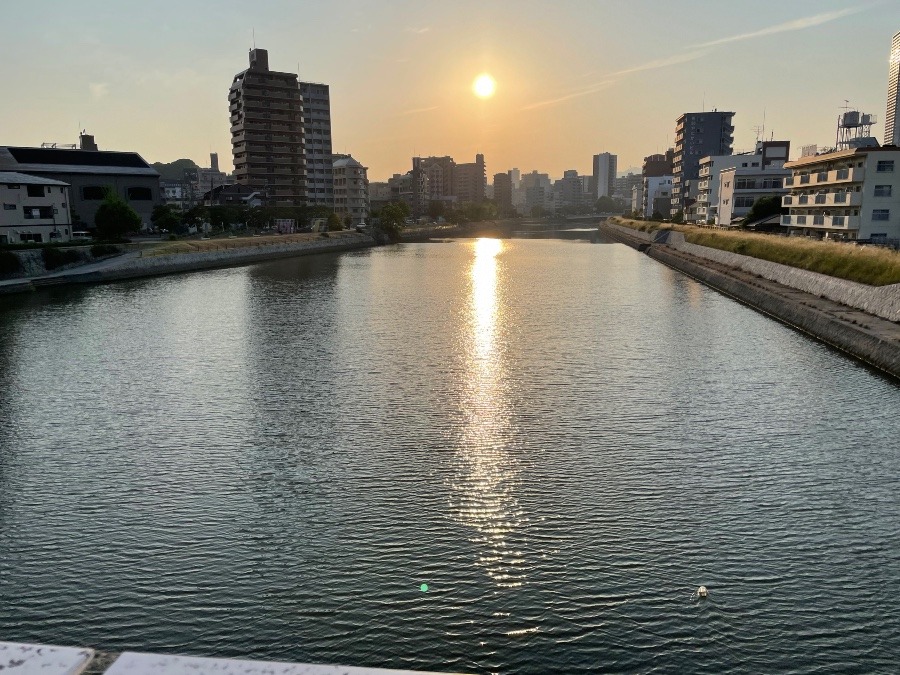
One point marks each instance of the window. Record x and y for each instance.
(139, 194)
(93, 193)
(38, 212)
(883, 190)
(885, 166)
(9, 207)
(29, 237)
(35, 190)
(881, 214)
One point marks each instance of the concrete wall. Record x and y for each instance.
(882, 301)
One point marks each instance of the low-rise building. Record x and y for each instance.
(89, 173)
(351, 190)
(848, 194)
(740, 188)
(34, 209)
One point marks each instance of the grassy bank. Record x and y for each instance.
(863, 264)
(225, 243)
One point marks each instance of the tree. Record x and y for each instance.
(657, 216)
(333, 222)
(165, 217)
(115, 218)
(435, 209)
(678, 217)
(607, 205)
(392, 219)
(765, 207)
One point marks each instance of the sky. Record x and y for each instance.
(574, 78)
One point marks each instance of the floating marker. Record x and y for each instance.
(702, 592)
(424, 588)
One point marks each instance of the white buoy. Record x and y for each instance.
(702, 592)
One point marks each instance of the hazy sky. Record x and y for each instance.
(574, 77)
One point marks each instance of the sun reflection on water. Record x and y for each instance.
(488, 478)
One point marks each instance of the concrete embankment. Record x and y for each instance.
(868, 337)
(133, 267)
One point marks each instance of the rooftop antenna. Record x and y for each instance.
(254, 36)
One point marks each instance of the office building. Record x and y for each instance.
(604, 175)
(351, 190)
(267, 132)
(848, 194)
(697, 135)
(317, 144)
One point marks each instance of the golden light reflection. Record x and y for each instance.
(488, 477)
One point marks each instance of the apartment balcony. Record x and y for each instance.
(823, 199)
(843, 223)
(855, 175)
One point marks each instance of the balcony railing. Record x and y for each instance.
(823, 199)
(850, 175)
(829, 222)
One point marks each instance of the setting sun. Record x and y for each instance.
(484, 86)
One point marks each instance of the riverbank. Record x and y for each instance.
(212, 255)
(870, 333)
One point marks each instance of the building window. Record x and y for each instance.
(881, 214)
(883, 190)
(885, 166)
(92, 193)
(35, 190)
(9, 207)
(139, 194)
(38, 212)
(29, 237)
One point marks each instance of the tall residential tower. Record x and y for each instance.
(697, 135)
(317, 137)
(267, 132)
(604, 177)
(891, 126)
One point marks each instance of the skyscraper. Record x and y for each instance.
(317, 139)
(891, 128)
(697, 135)
(267, 132)
(604, 176)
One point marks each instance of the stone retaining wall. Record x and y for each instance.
(882, 301)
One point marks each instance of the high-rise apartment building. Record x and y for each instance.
(697, 135)
(658, 165)
(503, 193)
(469, 180)
(317, 140)
(604, 176)
(891, 126)
(267, 132)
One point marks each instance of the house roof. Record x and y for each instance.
(15, 178)
(56, 160)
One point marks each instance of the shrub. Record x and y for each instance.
(55, 257)
(100, 250)
(9, 263)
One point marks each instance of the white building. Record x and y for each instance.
(848, 194)
(656, 196)
(317, 140)
(637, 199)
(891, 126)
(740, 187)
(351, 190)
(704, 211)
(34, 209)
(604, 174)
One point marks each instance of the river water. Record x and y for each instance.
(562, 440)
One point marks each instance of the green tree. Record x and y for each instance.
(115, 218)
(765, 207)
(435, 209)
(166, 217)
(678, 217)
(607, 205)
(392, 219)
(333, 222)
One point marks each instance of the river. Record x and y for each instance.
(516, 456)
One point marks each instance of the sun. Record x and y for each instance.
(484, 86)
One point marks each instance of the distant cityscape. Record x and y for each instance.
(283, 159)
